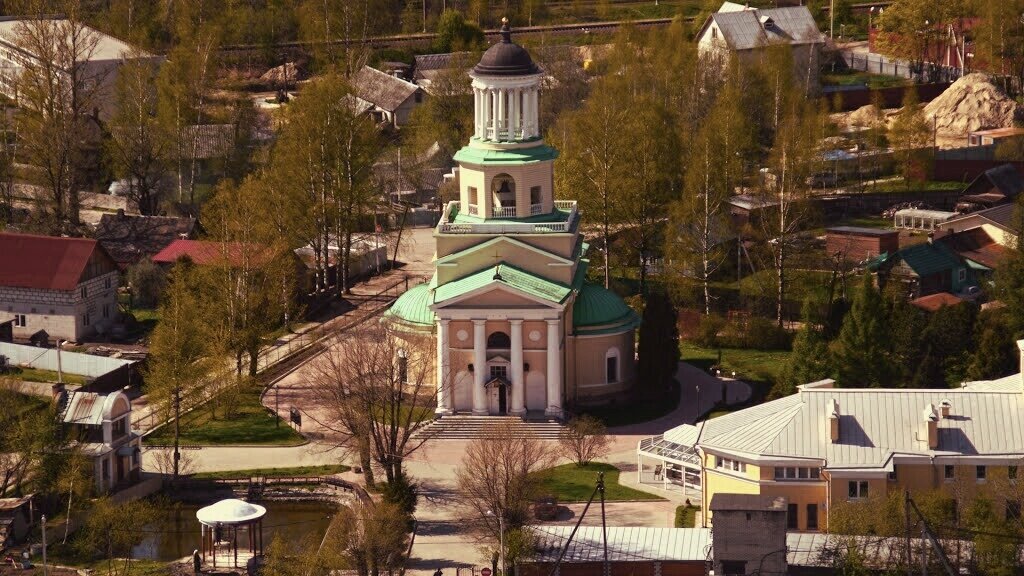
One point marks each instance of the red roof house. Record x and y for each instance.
(66, 287)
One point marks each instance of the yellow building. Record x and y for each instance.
(824, 446)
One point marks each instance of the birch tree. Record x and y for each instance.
(58, 92)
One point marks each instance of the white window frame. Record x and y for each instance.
(861, 489)
(613, 353)
(20, 321)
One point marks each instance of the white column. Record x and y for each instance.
(518, 382)
(479, 367)
(516, 111)
(535, 97)
(527, 113)
(445, 382)
(500, 95)
(477, 112)
(554, 375)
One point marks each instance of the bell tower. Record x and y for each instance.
(506, 170)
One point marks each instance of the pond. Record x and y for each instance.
(177, 534)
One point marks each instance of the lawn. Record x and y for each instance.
(251, 424)
(686, 516)
(858, 78)
(759, 368)
(572, 483)
(867, 222)
(326, 470)
(39, 375)
(900, 185)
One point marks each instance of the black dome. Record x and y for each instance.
(506, 58)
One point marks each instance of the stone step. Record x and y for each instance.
(468, 427)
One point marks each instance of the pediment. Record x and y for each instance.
(496, 295)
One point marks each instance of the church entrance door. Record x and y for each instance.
(502, 400)
(499, 374)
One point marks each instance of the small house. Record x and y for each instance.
(103, 426)
(391, 99)
(924, 269)
(17, 516)
(857, 244)
(997, 222)
(65, 287)
(131, 238)
(921, 219)
(995, 186)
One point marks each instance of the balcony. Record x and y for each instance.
(536, 209)
(503, 212)
(561, 221)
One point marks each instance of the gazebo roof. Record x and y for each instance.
(230, 512)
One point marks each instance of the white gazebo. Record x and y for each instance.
(231, 514)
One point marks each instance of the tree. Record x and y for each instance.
(147, 282)
(498, 478)
(29, 435)
(861, 353)
(376, 386)
(112, 530)
(594, 158)
(1009, 277)
(999, 37)
(947, 340)
(322, 170)
(446, 117)
(911, 139)
(809, 360)
(585, 438)
(253, 279)
(58, 91)
(658, 349)
(454, 34)
(917, 30)
(995, 353)
(136, 144)
(182, 87)
(181, 352)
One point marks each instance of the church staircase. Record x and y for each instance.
(466, 427)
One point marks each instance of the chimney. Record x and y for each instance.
(945, 407)
(931, 420)
(833, 420)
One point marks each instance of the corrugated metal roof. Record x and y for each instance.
(875, 424)
(929, 258)
(381, 89)
(84, 408)
(745, 28)
(44, 262)
(625, 544)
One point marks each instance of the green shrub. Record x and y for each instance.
(707, 332)
(686, 516)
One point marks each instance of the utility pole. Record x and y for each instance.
(906, 522)
(177, 429)
(831, 17)
(604, 525)
(60, 372)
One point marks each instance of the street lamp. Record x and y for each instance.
(501, 539)
(870, 13)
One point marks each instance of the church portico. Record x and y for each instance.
(519, 329)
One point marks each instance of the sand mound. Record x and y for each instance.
(866, 116)
(971, 103)
(288, 71)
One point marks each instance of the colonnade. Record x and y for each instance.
(506, 114)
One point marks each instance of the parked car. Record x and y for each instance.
(545, 508)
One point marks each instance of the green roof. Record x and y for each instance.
(510, 156)
(413, 307)
(598, 310)
(504, 274)
(929, 258)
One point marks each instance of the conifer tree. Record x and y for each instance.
(809, 361)
(659, 347)
(861, 353)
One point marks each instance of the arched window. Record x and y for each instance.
(611, 366)
(503, 189)
(499, 340)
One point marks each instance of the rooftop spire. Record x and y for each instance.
(506, 32)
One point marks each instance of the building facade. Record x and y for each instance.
(825, 447)
(66, 287)
(103, 425)
(516, 325)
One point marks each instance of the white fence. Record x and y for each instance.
(71, 362)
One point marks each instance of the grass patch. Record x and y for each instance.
(40, 375)
(251, 424)
(900, 185)
(686, 516)
(325, 470)
(759, 368)
(572, 483)
(858, 78)
(417, 413)
(68, 555)
(623, 414)
(867, 222)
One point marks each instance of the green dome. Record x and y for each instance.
(413, 307)
(596, 307)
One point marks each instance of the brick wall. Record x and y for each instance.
(757, 538)
(61, 313)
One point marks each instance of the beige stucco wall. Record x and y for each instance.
(589, 366)
(525, 177)
(561, 244)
